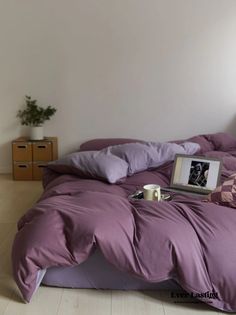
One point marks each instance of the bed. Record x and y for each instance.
(84, 230)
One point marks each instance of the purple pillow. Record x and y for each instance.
(222, 141)
(205, 145)
(92, 164)
(99, 144)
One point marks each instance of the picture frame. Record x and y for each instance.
(196, 173)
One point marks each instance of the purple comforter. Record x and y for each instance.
(186, 239)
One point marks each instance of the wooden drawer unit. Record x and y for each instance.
(30, 157)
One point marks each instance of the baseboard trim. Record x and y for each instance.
(5, 169)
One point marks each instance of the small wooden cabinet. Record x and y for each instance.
(30, 157)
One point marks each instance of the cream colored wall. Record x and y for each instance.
(154, 69)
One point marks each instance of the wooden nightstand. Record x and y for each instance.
(30, 157)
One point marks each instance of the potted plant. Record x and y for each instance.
(34, 116)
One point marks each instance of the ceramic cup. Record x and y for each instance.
(152, 192)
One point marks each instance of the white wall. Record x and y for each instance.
(153, 69)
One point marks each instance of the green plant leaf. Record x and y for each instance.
(34, 115)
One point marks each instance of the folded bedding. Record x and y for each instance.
(186, 239)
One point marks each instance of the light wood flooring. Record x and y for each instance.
(15, 198)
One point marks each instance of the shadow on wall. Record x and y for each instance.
(231, 128)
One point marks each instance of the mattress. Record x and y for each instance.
(96, 272)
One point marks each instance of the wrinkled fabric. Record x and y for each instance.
(186, 239)
(92, 164)
(147, 155)
(119, 161)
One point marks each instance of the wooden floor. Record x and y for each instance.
(15, 199)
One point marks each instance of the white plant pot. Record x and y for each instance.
(36, 133)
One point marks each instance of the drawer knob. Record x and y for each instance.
(41, 146)
(23, 166)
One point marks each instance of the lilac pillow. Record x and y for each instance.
(222, 141)
(137, 155)
(99, 144)
(147, 155)
(92, 164)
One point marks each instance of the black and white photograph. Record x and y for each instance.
(199, 173)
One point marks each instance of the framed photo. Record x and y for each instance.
(195, 173)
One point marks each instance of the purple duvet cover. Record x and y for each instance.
(187, 239)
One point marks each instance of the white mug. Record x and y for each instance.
(152, 192)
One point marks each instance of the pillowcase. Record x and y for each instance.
(147, 155)
(92, 164)
(222, 141)
(99, 144)
(137, 155)
(205, 145)
(225, 194)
